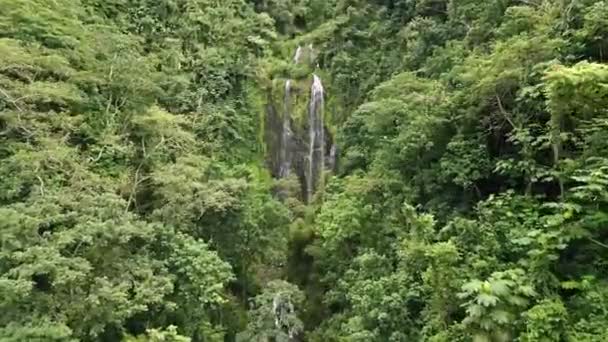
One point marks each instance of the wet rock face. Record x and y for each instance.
(287, 150)
(302, 147)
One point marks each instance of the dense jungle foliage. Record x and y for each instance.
(470, 201)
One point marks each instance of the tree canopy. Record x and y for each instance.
(464, 200)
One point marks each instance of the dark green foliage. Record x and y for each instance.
(490, 122)
(469, 203)
(120, 217)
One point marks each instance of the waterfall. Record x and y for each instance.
(316, 143)
(298, 55)
(285, 157)
(298, 143)
(283, 308)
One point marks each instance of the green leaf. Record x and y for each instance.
(487, 299)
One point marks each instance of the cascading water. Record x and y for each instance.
(282, 309)
(303, 148)
(298, 55)
(316, 143)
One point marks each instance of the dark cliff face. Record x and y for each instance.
(297, 139)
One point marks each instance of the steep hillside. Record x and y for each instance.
(303, 170)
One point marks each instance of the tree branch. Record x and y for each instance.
(598, 243)
(8, 97)
(41, 185)
(504, 112)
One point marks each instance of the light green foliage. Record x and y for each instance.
(545, 321)
(378, 300)
(36, 332)
(491, 119)
(583, 85)
(495, 303)
(469, 203)
(154, 335)
(76, 254)
(397, 132)
(274, 314)
(54, 247)
(116, 216)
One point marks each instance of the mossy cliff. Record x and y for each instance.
(297, 131)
